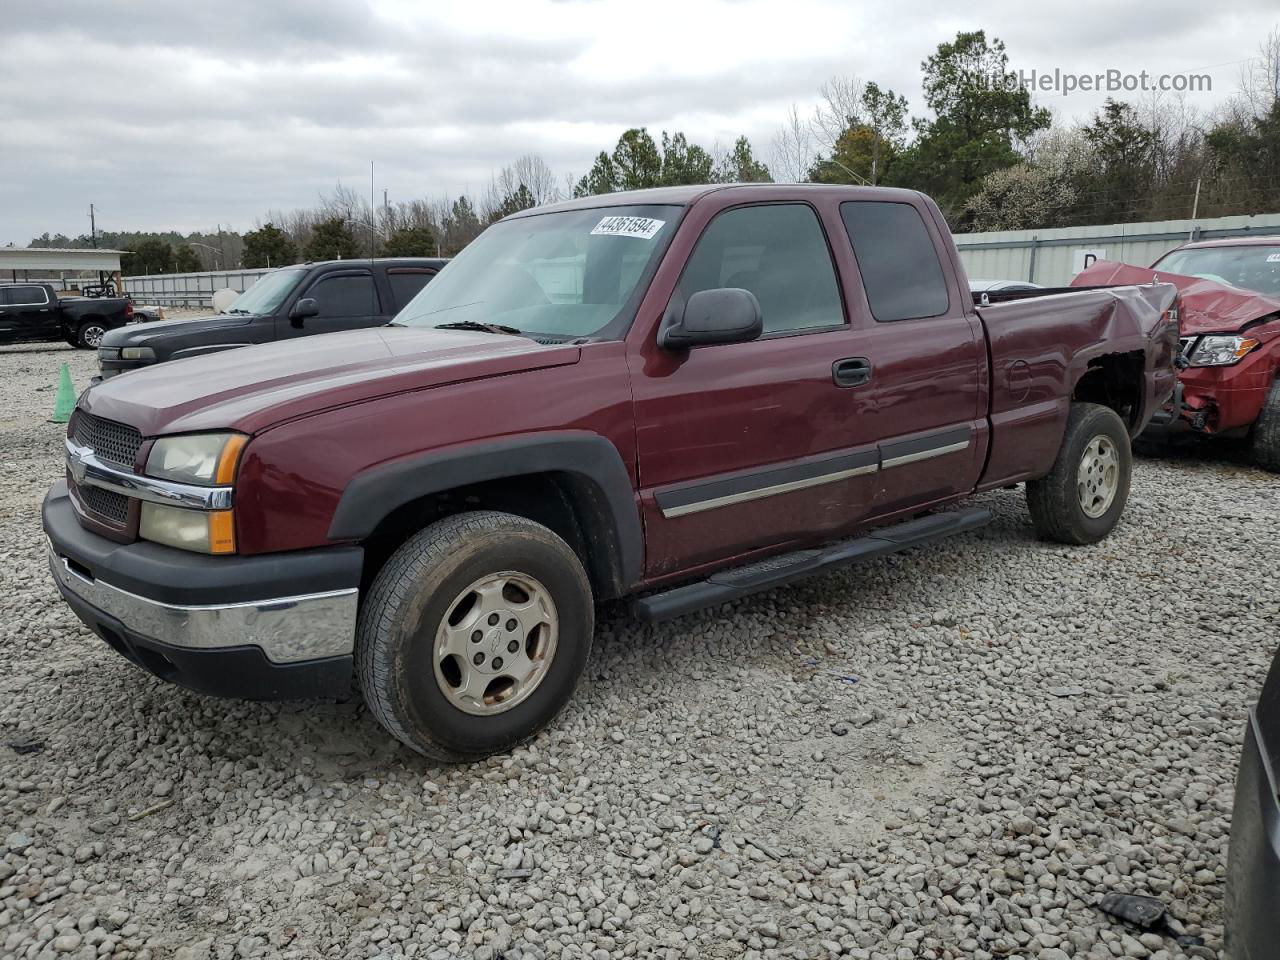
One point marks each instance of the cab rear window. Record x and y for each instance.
(405, 285)
(897, 259)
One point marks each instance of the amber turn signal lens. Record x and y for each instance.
(222, 530)
(229, 459)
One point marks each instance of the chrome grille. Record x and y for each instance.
(107, 504)
(115, 442)
(1185, 345)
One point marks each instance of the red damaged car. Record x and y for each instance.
(1229, 319)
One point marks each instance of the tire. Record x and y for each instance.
(1058, 501)
(1265, 445)
(90, 334)
(427, 583)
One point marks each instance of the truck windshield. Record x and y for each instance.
(562, 275)
(1252, 267)
(267, 294)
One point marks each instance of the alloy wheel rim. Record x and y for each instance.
(93, 336)
(1098, 478)
(496, 643)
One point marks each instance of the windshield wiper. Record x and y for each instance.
(236, 310)
(479, 327)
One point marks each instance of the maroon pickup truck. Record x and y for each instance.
(679, 396)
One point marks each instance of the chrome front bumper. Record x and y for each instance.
(310, 626)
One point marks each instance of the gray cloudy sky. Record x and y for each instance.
(188, 114)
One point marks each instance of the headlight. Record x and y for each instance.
(201, 459)
(198, 530)
(137, 353)
(205, 459)
(1220, 351)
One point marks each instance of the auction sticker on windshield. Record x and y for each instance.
(642, 228)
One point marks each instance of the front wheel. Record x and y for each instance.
(1082, 497)
(1266, 432)
(474, 635)
(90, 335)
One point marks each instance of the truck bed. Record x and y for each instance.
(1041, 342)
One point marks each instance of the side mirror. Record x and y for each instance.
(306, 307)
(724, 315)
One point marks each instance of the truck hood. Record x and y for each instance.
(140, 334)
(257, 387)
(1204, 306)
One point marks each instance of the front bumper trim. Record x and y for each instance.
(286, 629)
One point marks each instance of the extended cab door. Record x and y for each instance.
(750, 446)
(927, 393)
(28, 313)
(347, 299)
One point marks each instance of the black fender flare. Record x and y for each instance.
(607, 500)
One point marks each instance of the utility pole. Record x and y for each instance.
(1195, 206)
(93, 228)
(386, 216)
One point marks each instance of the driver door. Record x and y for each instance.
(346, 299)
(753, 445)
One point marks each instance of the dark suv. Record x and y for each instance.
(295, 301)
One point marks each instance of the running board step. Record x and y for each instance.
(789, 567)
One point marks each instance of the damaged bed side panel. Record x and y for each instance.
(1043, 348)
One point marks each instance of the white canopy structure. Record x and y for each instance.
(52, 265)
(52, 259)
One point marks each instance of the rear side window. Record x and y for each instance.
(897, 260)
(20, 295)
(779, 253)
(405, 285)
(349, 296)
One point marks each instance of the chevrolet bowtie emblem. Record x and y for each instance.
(75, 465)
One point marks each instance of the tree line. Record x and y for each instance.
(990, 156)
(995, 160)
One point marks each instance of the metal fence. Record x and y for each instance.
(189, 289)
(1053, 257)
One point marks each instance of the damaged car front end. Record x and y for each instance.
(1229, 356)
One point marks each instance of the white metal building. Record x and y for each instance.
(1053, 257)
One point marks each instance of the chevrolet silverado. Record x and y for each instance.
(679, 396)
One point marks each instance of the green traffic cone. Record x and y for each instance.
(66, 399)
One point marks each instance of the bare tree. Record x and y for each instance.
(534, 172)
(1177, 128)
(1260, 75)
(793, 153)
(840, 109)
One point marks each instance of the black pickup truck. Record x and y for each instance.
(32, 311)
(296, 301)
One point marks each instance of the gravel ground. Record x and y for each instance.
(1030, 727)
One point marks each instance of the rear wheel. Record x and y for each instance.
(1082, 497)
(474, 635)
(90, 335)
(1266, 432)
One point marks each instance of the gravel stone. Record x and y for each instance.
(1032, 726)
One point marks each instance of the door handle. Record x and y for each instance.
(851, 372)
